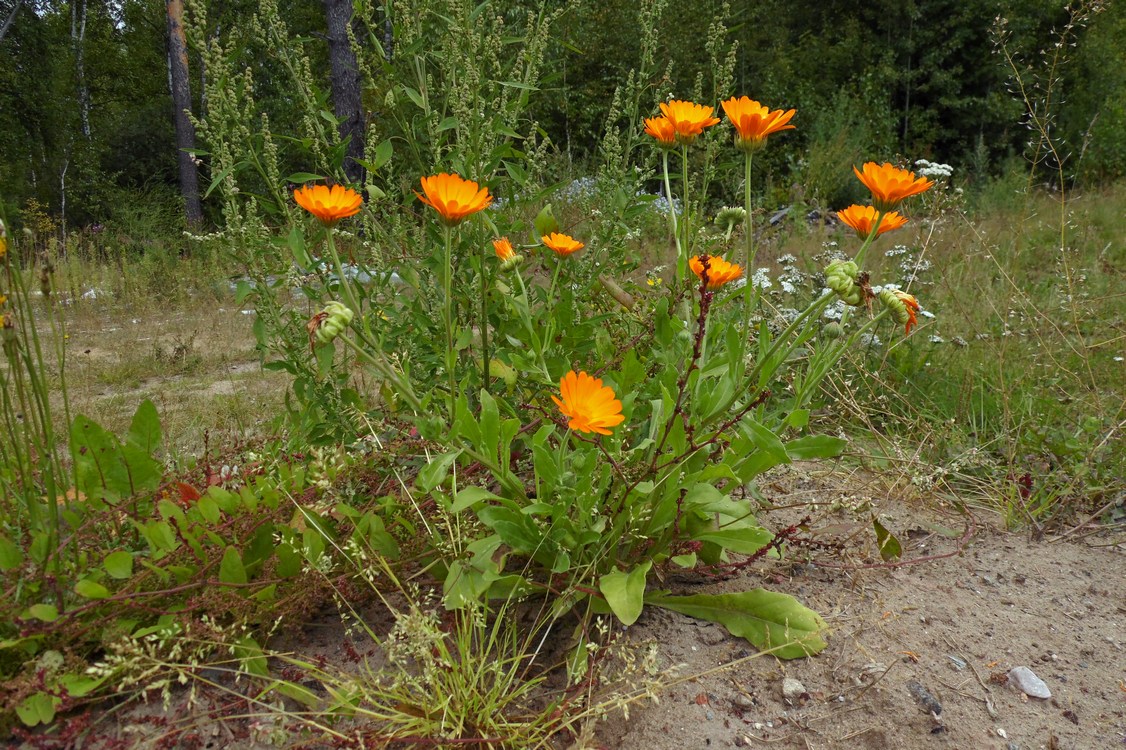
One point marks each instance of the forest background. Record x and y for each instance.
(88, 137)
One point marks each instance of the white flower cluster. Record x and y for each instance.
(761, 279)
(933, 170)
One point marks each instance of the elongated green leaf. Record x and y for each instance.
(435, 472)
(298, 177)
(745, 541)
(767, 619)
(44, 612)
(144, 432)
(625, 592)
(815, 446)
(765, 440)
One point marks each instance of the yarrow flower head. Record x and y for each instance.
(662, 130)
(863, 218)
(562, 244)
(688, 119)
(890, 185)
(329, 205)
(753, 122)
(589, 405)
(720, 271)
(454, 197)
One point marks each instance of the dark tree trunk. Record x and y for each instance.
(181, 107)
(346, 86)
(8, 21)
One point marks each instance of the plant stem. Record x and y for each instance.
(683, 248)
(484, 323)
(451, 354)
(672, 212)
(402, 386)
(749, 251)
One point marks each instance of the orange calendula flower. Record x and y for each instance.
(661, 129)
(912, 306)
(688, 119)
(504, 250)
(329, 205)
(454, 197)
(890, 184)
(562, 244)
(719, 271)
(753, 122)
(590, 406)
(863, 218)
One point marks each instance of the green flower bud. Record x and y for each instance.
(841, 276)
(336, 317)
(832, 330)
(895, 305)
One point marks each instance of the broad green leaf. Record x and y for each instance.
(144, 431)
(767, 619)
(91, 589)
(119, 564)
(470, 497)
(383, 154)
(10, 555)
(890, 548)
(78, 685)
(247, 650)
(37, 708)
(44, 612)
(625, 592)
(208, 508)
(231, 569)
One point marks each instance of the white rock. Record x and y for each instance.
(792, 689)
(1026, 681)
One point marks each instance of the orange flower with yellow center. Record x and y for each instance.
(454, 197)
(504, 250)
(890, 185)
(912, 306)
(753, 122)
(329, 205)
(589, 405)
(688, 119)
(720, 271)
(661, 129)
(863, 218)
(562, 244)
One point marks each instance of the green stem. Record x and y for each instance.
(672, 211)
(402, 386)
(683, 248)
(484, 324)
(447, 314)
(345, 286)
(525, 315)
(749, 251)
(555, 278)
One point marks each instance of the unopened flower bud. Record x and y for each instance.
(841, 276)
(331, 321)
(832, 330)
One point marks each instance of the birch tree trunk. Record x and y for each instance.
(182, 104)
(346, 85)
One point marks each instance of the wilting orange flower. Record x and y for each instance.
(661, 129)
(590, 405)
(862, 219)
(504, 249)
(688, 119)
(719, 271)
(562, 244)
(753, 122)
(454, 197)
(890, 185)
(912, 306)
(329, 205)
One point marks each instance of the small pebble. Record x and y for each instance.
(709, 715)
(743, 701)
(792, 689)
(1025, 680)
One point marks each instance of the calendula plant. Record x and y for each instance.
(647, 454)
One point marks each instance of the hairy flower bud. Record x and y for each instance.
(841, 276)
(331, 321)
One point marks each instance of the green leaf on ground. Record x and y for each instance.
(769, 620)
(890, 548)
(625, 592)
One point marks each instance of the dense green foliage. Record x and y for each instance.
(86, 115)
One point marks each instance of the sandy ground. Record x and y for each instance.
(905, 640)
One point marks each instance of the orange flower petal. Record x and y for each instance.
(720, 272)
(863, 218)
(890, 185)
(753, 122)
(453, 197)
(688, 119)
(562, 244)
(329, 205)
(588, 405)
